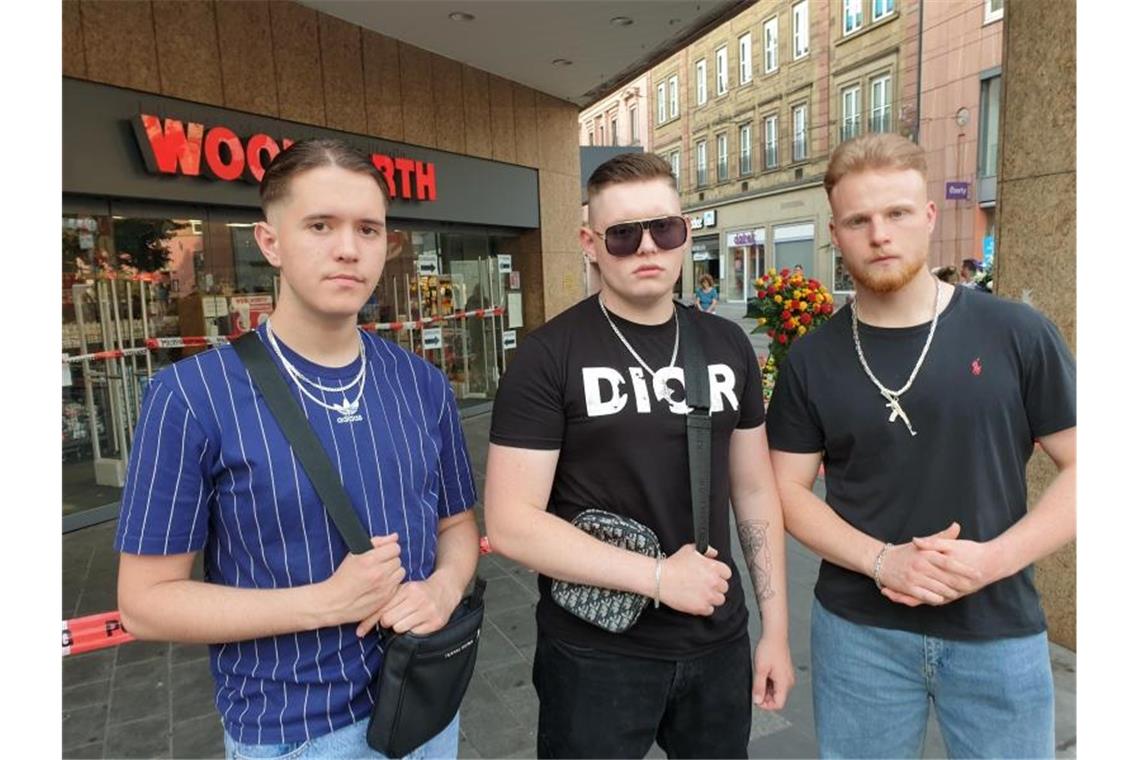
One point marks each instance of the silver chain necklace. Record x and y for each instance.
(346, 408)
(892, 397)
(658, 382)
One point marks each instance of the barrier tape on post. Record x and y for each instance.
(419, 324)
(86, 634)
(156, 344)
(106, 355)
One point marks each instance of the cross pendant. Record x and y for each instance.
(896, 410)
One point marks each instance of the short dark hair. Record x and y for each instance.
(970, 264)
(312, 154)
(629, 167)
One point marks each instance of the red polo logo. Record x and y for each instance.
(976, 367)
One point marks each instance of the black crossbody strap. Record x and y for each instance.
(698, 423)
(300, 435)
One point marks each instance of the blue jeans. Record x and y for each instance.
(347, 742)
(604, 705)
(872, 689)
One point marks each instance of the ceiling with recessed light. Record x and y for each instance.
(575, 50)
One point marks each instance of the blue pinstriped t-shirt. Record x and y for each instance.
(210, 470)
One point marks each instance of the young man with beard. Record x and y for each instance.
(289, 614)
(591, 415)
(926, 587)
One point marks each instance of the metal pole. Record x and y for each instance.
(133, 409)
(124, 419)
(146, 328)
(495, 339)
(109, 374)
(79, 291)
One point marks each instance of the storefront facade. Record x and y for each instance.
(737, 242)
(160, 198)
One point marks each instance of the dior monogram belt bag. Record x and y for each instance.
(617, 611)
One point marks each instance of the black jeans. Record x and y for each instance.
(599, 704)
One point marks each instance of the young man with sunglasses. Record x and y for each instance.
(591, 415)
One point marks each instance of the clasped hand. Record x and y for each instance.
(368, 589)
(936, 569)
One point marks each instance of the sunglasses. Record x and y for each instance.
(624, 239)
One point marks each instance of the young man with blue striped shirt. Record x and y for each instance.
(289, 614)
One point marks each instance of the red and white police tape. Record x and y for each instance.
(155, 344)
(91, 632)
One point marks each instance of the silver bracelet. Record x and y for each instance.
(657, 584)
(879, 565)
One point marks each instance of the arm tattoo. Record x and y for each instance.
(757, 556)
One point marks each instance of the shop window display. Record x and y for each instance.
(130, 278)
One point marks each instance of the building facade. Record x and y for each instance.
(748, 114)
(619, 119)
(960, 123)
(170, 113)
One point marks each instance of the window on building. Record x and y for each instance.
(633, 125)
(661, 103)
(801, 32)
(852, 15)
(799, 132)
(771, 154)
(881, 9)
(591, 137)
(675, 166)
(852, 105)
(614, 130)
(722, 71)
(721, 157)
(988, 127)
(881, 104)
(702, 163)
(995, 9)
(702, 84)
(601, 134)
(745, 150)
(746, 58)
(771, 45)
(673, 105)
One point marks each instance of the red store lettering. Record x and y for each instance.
(170, 147)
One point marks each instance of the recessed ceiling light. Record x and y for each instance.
(561, 62)
(621, 21)
(460, 16)
(674, 21)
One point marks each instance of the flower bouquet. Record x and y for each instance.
(788, 305)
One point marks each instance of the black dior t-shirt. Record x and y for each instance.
(573, 386)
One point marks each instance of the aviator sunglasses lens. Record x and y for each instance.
(623, 239)
(668, 233)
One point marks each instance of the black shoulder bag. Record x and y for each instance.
(617, 611)
(423, 677)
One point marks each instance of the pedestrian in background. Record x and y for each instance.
(707, 295)
(591, 414)
(947, 274)
(925, 593)
(290, 616)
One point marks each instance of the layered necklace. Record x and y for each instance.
(659, 387)
(892, 397)
(346, 408)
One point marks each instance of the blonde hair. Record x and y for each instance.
(871, 152)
